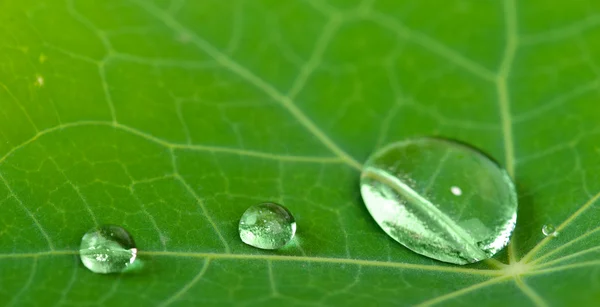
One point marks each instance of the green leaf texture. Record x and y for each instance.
(170, 118)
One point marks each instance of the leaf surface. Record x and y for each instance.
(170, 118)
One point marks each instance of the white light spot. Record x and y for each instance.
(39, 81)
(133, 255)
(456, 191)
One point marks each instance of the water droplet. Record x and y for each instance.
(267, 226)
(456, 191)
(39, 80)
(549, 230)
(405, 188)
(107, 249)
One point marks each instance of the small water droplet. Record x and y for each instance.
(267, 226)
(107, 249)
(405, 188)
(39, 80)
(549, 230)
(456, 191)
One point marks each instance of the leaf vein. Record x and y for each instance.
(28, 212)
(533, 296)
(562, 226)
(462, 291)
(430, 44)
(188, 285)
(284, 101)
(168, 144)
(282, 258)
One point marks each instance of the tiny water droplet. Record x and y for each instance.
(549, 230)
(456, 191)
(39, 80)
(107, 249)
(405, 188)
(267, 226)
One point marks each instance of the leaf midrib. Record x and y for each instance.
(534, 270)
(370, 263)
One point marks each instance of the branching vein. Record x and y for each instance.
(535, 298)
(188, 285)
(228, 63)
(504, 96)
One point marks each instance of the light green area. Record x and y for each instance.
(441, 199)
(267, 226)
(170, 118)
(107, 249)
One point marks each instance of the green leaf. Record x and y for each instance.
(170, 118)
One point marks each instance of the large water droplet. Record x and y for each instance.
(107, 249)
(440, 199)
(549, 230)
(267, 226)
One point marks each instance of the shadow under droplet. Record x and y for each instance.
(294, 247)
(137, 267)
(526, 215)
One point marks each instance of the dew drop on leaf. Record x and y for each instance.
(456, 191)
(267, 226)
(107, 249)
(412, 191)
(549, 230)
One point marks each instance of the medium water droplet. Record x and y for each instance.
(107, 249)
(267, 226)
(549, 230)
(405, 188)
